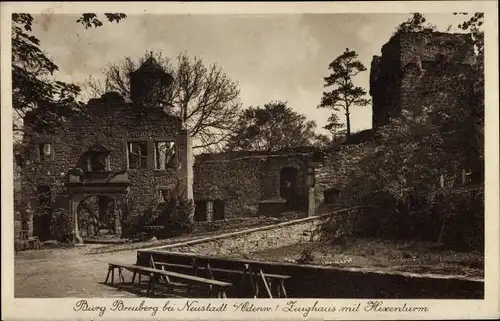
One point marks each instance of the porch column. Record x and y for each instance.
(73, 212)
(185, 167)
(210, 211)
(30, 224)
(118, 216)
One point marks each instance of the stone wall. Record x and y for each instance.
(242, 182)
(338, 167)
(111, 122)
(413, 70)
(256, 239)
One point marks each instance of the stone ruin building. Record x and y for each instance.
(410, 74)
(117, 156)
(133, 153)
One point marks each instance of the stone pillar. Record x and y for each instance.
(30, 224)
(185, 167)
(311, 195)
(311, 201)
(210, 211)
(118, 217)
(73, 212)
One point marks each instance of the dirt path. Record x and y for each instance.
(66, 273)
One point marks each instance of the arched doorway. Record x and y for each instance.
(96, 216)
(288, 185)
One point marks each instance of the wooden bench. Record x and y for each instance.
(272, 282)
(217, 288)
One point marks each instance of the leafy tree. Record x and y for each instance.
(272, 127)
(473, 25)
(415, 23)
(36, 95)
(205, 98)
(90, 20)
(344, 93)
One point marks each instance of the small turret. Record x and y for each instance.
(147, 83)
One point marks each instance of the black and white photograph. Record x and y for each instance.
(164, 155)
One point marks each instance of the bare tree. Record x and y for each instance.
(205, 98)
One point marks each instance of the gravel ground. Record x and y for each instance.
(405, 256)
(71, 272)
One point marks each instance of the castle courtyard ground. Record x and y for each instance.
(63, 273)
(80, 271)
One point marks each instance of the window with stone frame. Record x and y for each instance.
(164, 155)
(44, 151)
(137, 155)
(98, 162)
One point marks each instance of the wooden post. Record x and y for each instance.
(265, 283)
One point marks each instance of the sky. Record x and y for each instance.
(272, 57)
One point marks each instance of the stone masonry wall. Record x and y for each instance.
(338, 167)
(242, 182)
(258, 239)
(414, 70)
(109, 121)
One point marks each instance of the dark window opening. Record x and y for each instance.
(218, 209)
(331, 196)
(164, 155)
(200, 211)
(44, 197)
(137, 155)
(98, 162)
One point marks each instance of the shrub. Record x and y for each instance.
(61, 226)
(176, 216)
(130, 220)
(306, 256)
(455, 218)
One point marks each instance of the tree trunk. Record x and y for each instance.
(348, 124)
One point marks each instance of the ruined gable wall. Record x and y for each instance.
(109, 122)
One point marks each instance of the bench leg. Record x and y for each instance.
(107, 276)
(151, 287)
(113, 276)
(277, 287)
(133, 277)
(282, 285)
(222, 294)
(120, 273)
(256, 288)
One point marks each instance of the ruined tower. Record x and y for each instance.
(414, 70)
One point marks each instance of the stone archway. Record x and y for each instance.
(97, 216)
